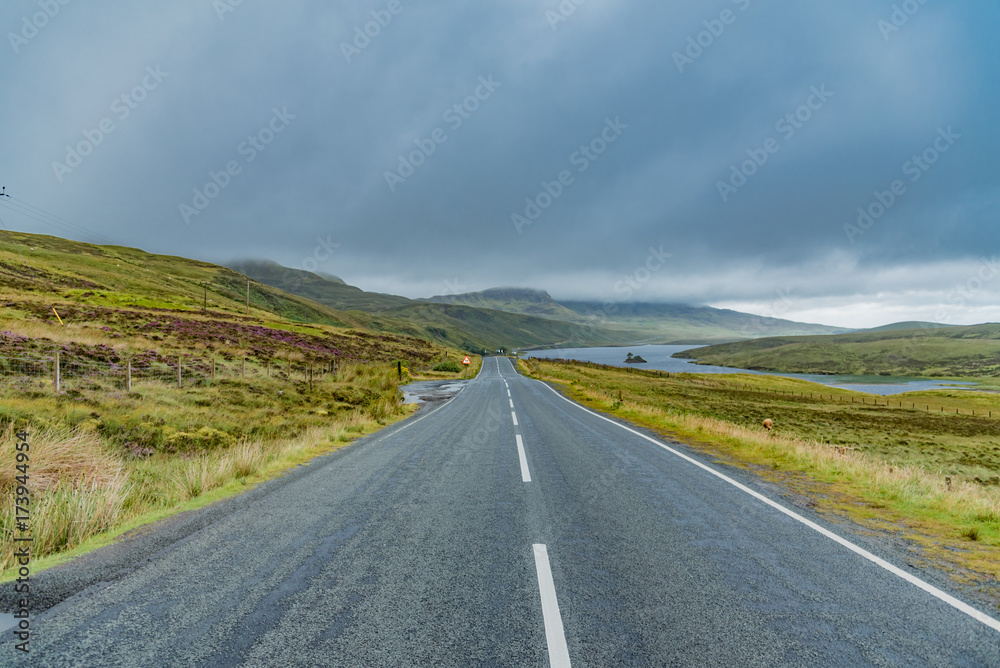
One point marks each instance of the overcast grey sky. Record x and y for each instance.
(422, 147)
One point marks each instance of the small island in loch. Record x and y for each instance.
(634, 359)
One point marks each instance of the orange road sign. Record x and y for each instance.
(466, 361)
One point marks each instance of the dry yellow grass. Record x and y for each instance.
(60, 456)
(902, 484)
(77, 490)
(68, 333)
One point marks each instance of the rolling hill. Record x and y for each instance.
(526, 318)
(467, 326)
(105, 304)
(323, 289)
(38, 272)
(950, 351)
(512, 300)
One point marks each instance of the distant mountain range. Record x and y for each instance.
(659, 323)
(527, 318)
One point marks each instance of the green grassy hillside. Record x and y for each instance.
(970, 351)
(457, 325)
(467, 326)
(49, 268)
(513, 300)
(489, 326)
(327, 290)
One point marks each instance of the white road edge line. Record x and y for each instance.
(525, 475)
(912, 579)
(514, 416)
(555, 637)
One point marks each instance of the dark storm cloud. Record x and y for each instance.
(558, 142)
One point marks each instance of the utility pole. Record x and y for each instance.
(248, 296)
(205, 308)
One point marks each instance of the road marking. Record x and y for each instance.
(511, 402)
(525, 476)
(508, 392)
(912, 579)
(514, 415)
(555, 637)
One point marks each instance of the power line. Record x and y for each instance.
(65, 229)
(39, 214)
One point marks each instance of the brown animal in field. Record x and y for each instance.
(768, 424)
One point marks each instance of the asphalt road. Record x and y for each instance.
(510, 527)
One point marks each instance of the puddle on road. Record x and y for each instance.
(7, 621)
(431, 390)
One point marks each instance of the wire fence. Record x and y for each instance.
(60, 373)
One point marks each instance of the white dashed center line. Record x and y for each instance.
(525, 476)
(554, 635)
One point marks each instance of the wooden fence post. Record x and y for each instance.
(243, 372)
(178, 371)
(269, 368)
(213, 368)
(56, 378)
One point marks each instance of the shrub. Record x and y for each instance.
(203, 439)
(449, 365)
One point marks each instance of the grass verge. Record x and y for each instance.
(103, 462)
(953, 521)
